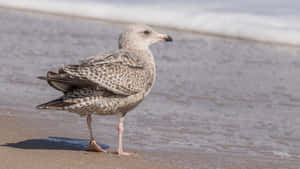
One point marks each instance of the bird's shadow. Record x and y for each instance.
(54, 143)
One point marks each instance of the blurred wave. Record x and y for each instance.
(271, 21)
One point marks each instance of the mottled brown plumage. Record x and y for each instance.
(101, 86)
(111, 83)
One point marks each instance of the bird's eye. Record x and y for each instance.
(146, 32)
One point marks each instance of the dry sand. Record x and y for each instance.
(233, 103)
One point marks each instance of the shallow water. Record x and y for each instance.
(211, 94)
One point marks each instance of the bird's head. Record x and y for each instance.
(141, 37)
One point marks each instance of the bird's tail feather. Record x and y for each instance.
(57, 81)
(42, 77)
(57, 104)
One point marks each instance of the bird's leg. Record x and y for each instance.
(93, 146)
(121, 129)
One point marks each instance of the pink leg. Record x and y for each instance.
(121, 129)
(93, 146)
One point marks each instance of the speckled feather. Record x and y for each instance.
(120, 72)
(114, 81)
(109, 83)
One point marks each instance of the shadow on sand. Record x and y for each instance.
(54, 143)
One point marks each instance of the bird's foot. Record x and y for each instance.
(93, 146)
(122, 153)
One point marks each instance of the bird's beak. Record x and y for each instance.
(165, 37)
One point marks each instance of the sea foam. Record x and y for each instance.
(205, 18)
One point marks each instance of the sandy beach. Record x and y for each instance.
(25, 145)
(217, 102)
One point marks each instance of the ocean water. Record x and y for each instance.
(273, 21)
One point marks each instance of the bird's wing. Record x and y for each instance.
(120, 72)
(121, 56)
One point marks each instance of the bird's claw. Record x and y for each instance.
(93, 146)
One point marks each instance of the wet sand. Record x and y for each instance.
(24, 145)
(217, 103)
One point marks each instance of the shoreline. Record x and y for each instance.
(32, 143)
(229, 37)
(24, 141)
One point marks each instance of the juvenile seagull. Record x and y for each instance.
(108, 84)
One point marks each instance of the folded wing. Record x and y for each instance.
(119, 72)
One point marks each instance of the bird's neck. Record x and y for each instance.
(133, 47)
(146, 56)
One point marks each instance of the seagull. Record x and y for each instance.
(108, 84)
